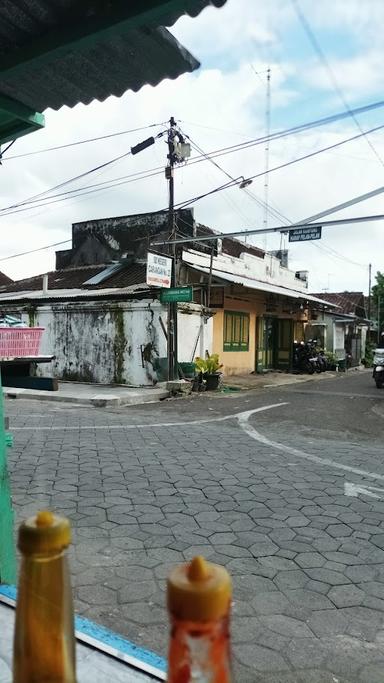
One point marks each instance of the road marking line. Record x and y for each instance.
(72, 428)
(353, 490)
(254, 434)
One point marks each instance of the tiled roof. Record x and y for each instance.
(74, 278)
(4, 279)
(347, 302)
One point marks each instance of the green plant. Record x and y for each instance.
(209, 365)
(331, 358)
(369, 351)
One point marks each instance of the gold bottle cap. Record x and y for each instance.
(44, 533)
(199, 591)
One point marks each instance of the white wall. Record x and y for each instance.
(364, 331)
(267, 269)
(195, 333)
(338, 336)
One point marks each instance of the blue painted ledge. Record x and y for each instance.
(105, 636)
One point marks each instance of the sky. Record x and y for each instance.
(330, 68)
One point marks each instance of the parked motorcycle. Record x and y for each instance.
(318, 355)
(378, 367)
(305, 358)
(322, 359)
(308, 357)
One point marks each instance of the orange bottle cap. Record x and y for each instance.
(44, 533)
(199, 591)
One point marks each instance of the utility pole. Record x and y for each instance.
(178, 151)
(378, 318)
(369, 290)
(172, 307)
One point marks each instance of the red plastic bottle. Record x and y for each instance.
(199, 598)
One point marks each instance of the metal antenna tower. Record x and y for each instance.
(266, 153)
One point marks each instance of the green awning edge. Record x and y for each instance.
(17, 120)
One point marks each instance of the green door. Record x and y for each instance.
(284, 345)
(266, 343)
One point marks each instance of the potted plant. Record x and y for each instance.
(331, 360)
(209, 368)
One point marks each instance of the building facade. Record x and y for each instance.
(259, 307)
(343, 330)
(104, 324)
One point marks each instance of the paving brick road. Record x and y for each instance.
(143, 493)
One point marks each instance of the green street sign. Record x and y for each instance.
(168, 296)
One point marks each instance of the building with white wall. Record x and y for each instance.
(104, 324)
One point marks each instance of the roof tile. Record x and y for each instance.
(74, 278)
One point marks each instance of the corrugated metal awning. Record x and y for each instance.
(74, 293)
(252, 283)
(62, 52)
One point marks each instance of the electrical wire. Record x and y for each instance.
(6, 149)
(316, 46)
(70, 180)
(231, 183)
(71, 195)
(33, 251)
(213, 154)
(277, 168)
(81, 142)
(248, 192)
(332, 253)
(300, 128)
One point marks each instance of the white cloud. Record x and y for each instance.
(359, 76)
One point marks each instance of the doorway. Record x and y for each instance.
(274, 344)
(266, 343)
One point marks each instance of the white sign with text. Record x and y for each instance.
(159, 270)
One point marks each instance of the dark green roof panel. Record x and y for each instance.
(61, 52)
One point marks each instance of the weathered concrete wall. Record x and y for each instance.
(111, 342)
(105, 239)
(100, 342)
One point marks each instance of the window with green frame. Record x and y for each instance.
(236, 331)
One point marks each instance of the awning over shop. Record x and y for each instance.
(252, 283)
(62, 52)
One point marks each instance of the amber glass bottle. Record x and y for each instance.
(44, 643)
(199, 597)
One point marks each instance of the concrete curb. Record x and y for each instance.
(96, 400)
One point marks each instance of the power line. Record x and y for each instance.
(133, 150)
(81, 142)
(336, 255)
(281, 228)
(71, 195)
(218, 130)
(231, 183)
(213, 154)
(251, 195)
(277, 168)
(316, 46)
(298, 129)
(222, 170)
(70, 180)
(33, 251)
